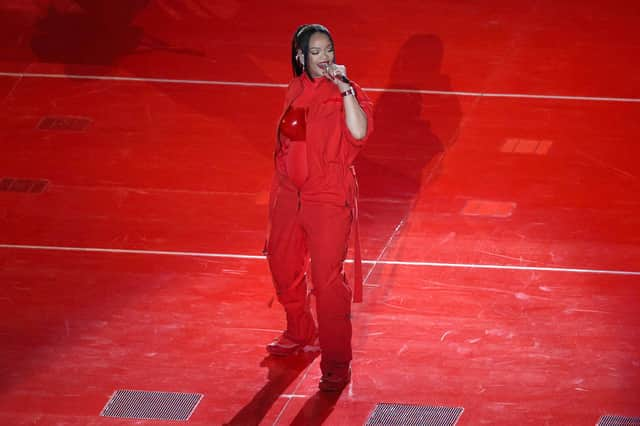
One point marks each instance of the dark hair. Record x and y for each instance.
(300, 41)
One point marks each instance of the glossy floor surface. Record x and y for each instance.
(500, 209)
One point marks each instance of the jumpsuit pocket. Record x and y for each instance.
(334, 182)
(328, 107)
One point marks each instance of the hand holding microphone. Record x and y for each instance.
(334, 72)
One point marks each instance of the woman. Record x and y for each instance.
(326, 120)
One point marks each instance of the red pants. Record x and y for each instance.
(319, 231)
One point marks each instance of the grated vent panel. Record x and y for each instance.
(74, 124)
(612, 420)
(23, 185)
(145, 405)
(526, 146)
(413, 415)
(497, 209)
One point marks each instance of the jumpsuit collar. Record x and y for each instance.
(312, 83)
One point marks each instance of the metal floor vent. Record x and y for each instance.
(23, 185)
(610, 420)
(413, 415)
(144, 405)
(76, 124)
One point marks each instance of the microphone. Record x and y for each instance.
(328, 67)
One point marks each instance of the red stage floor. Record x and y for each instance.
(500, 210)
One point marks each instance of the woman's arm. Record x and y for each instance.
(354, 116)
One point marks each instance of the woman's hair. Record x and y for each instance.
(301, 42)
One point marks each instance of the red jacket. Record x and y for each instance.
(330, 146)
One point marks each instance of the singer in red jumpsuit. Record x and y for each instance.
(326, 121)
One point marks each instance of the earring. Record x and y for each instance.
(300, 58)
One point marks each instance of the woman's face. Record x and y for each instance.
(320, 52)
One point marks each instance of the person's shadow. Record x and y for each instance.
(95, 33)
(282, 372)
(92, 33)
(412, 132)
(317, 409)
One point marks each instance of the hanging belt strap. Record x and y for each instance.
(357, 254)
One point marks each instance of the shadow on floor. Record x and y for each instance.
(282, 372)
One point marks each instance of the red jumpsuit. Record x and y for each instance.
(311, 215)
